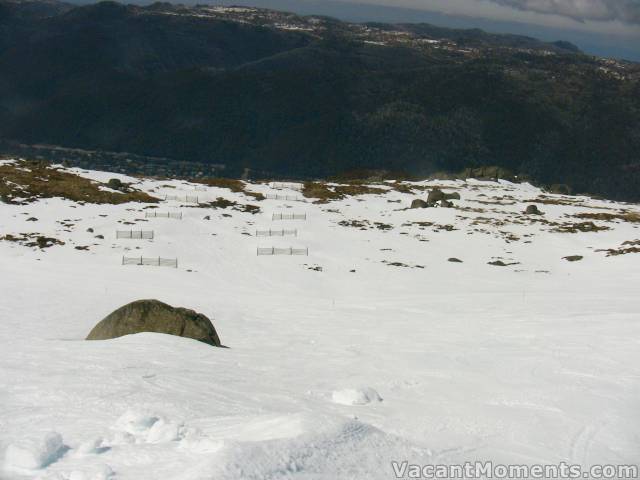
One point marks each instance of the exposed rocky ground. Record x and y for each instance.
(438, 335)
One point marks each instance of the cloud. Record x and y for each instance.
(618, 18)
(627, 11)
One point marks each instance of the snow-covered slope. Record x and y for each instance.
(386, 352)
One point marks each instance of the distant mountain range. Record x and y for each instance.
(285, 95)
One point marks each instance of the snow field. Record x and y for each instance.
(330, 374)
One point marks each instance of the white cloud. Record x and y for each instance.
(615, 17)
(601, 10)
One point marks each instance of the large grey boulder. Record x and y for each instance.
(158, 317)
(438, 198)
(435, 195)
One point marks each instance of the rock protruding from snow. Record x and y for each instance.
(352, 396)
(532, 210)
(436, 195)
(155, 316)
(436, 198)
(34, 454)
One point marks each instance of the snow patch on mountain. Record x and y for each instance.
(531, 360)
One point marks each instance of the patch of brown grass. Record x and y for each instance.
(361, 224)
(551, 201)
(323, 193)
(383, 226)
(583, 227)
(469, 209)
(223, 203)
(544, 199)
(32, 240)
(419, 224)
(236, 186)
(356, 189)
(320, 191)
(631, 217)
(630, 246)
(26, 181)
(402, 187)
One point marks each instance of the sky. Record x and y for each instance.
(601, 27)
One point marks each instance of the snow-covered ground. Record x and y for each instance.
(390, 352)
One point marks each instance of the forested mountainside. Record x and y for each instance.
(312, 96)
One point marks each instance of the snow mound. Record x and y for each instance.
(135, 423)
(164, 431)
(137, 427)
(196, 442)
(92, 446)
(35, 454)
(101, 472)
(352, 446)
(352, 396)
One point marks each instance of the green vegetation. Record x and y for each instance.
(24, 182)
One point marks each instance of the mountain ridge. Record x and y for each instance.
(313, 96)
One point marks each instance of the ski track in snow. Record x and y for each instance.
(330, 374)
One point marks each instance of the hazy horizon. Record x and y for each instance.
(615, 37)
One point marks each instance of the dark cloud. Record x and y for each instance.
(627, 11)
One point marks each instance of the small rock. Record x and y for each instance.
(417, 203)
(90, 230)
(573, 258)
(532, 210)
(115, 184)
(32, 219)
(498, 263)
(455, 260)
